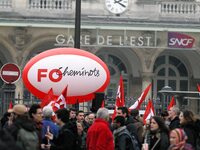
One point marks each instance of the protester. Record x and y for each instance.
(129, 122)
(35, 113)
(48, 125)
(165, 117)
(91, 118)
(82, 136)
(138, 124)
(23, 129)
(80, 118)
(99, 136)
(187, 123)
(7, 119)
(159, 134)
(178, 140)
(72, 114)
(174, 117)
(68, 135)
(123, 111)
(122, 136)
(7, 142)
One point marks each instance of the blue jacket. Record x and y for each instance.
(52, 127)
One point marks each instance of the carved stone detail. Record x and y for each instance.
(20, 37)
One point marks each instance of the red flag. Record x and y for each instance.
(61, 102)
(10, 105)
(58, 103)
(198, 87)
(103, 104)
(142, 97)
(120, 93)
(149, 111)
(172, 103)
(119, 97)
(48, 98)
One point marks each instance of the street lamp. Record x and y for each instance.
(165, 96)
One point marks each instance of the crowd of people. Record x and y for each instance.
(37, 128)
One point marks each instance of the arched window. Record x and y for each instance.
(171, 71)
(116, 67)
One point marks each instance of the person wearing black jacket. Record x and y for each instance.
(187, 123)
(122, 136)
(174, 117)
(23, 129)
(159, 134)
(67, 137)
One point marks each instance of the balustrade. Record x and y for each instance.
(50, 4)
(179, 8)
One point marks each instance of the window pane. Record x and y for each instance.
(112, 70)
(182, 70)
(161, 72)
(159, 61)
(172, 73)
(172, 84)
(174, 61)
(183, 85)
(160, 84)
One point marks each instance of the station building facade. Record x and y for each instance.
(154, 42)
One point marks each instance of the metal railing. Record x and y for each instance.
(50, 4)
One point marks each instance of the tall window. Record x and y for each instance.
(170, 71)
(116, 67)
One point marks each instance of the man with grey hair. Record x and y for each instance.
(174, 117)
(47, 124)
(99, 136)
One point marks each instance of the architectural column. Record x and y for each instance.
(19, 92)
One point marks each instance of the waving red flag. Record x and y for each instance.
(120, 93)
(61, 102)
(48, 98)
(119, 97)
(142, 97)
(149, 111)
(172, 103)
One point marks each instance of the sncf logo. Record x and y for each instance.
(179, 40)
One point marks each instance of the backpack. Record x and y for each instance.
(135, 145)
(27, 140)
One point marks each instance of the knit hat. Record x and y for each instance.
(180, 135)
(19, 109)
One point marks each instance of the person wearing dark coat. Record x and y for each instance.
(122, 140)
(67, 136)
(174, 117)
(129, 121)
(23, 129)
(187, 123)
(159, 134)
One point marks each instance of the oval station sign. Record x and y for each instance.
(83, 73)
